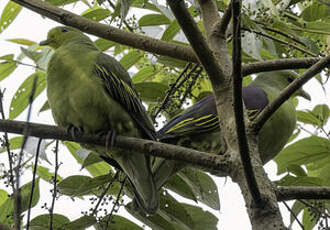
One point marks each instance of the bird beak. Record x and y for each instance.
(305, 95)
(46, 42)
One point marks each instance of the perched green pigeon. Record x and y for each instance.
(90, 91)
(198, 127)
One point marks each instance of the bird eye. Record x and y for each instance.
(64, 30)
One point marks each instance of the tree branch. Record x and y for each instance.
(213, 163)
(197, 41)
(284, 193)
(279, 64)
(108, 32)
(225, 20)
(288, 92)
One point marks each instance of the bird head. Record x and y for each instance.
(282, 79)
(61, 35)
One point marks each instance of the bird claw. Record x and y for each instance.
(75, 131)
(110, 139)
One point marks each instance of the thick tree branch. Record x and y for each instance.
(300, 192)
(108, 32)
(209, 162)
(197, 41)
(225, 20)
(288, 92)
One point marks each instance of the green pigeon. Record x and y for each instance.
(90, 91)
(198, 127)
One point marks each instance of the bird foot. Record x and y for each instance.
(110, 138)
(75, 131)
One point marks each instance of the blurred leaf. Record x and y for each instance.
(179, 186)
(296, 170)
(96, 14)
(92, 158)
(7, 208)
(308, 219)
(9, 14)
(117, 223)
(14, 143)
(80, 224)
(60, 2)
(143, 74)
(22, 41)
(151, 91)
(104, 44)
(6, 68)
(296, 208)
(203, 220)
(299, 181)
(154, 20)
(47, 176)
(129, 59)
(322, 112)
(124, 8)
(315, 11)
(3, 196)
(203, 186)
(20, 101)
(171, 31)
(308, 150)
(42, 222)
(44, 107)
(83, 185)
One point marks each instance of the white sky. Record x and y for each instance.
(33, 27)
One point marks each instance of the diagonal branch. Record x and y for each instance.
(108, 32)
(206, 161)
(225, 20)
(197, 41)
(288, 92)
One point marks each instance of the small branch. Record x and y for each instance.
(279, 64)
(208, 162)
(282, 42)
(294, 215)
(33, 184)
(300, 192)
(287, 93)
(108, 32)
(238, 106)
(197, 41)
(51, 210)
(225, 20)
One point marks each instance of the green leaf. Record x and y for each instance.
(80, 224)
(7, 208)
(296, 208)
(308, 150)
(22, 41)
(308, 219)
(97, 169)
(20, 100)
(289, 180)
(117, 223)
(3, 196)
(104, 44)
(8, 57)
(96, 14)
(322, 113)
(203, 220)
(307, 117)
(44, 107)
(143, 74)
(14, 143)
(8, 15)
(151, 91)
(83, 185)
(92, 158)
(296, 170)
(42, 222)
(124, 8)
(315, 11)
(44, 174)
(6, 68)
(171, 31)
(203, 186)
(169, 61)
(129, 59)
(154, 20)
(179, 186)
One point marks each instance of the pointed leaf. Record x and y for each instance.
(8, 15)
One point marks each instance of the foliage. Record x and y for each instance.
(272, 29)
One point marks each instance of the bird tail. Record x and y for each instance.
(137, 167)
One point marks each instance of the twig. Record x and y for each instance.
(116, 203)
(17, 196)
(10, 159)
(287, 93)
(302, 192)
(51, 210)
(197, 41)
(33, 183)
(238, 105)
(104, 192)
(294, 215)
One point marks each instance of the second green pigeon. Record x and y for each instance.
(198, 127)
